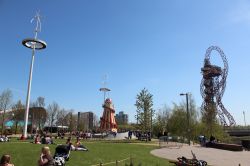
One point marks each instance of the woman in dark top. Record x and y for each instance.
(45, 158)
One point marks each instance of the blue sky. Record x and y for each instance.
(159, 45)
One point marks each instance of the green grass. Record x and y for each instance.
(27, 154)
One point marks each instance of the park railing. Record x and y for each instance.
(170, 142)
(118, 162)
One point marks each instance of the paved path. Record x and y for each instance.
(215, 157)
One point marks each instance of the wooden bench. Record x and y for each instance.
(224, 146)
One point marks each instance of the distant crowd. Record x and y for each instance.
(142, 136)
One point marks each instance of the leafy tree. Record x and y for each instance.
(193, 115)
(209, 118)
(5, 103)
(218, 132)
(178, 119)
(161, 121)
(145, 112)
(210, 124)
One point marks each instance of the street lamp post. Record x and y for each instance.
(34, 44)
(244, 118)
(188, 129)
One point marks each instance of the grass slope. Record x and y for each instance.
(27, 154)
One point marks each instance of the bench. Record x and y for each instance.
(224, 146)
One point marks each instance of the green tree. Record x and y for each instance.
(178, 119)
(145, 112)
(161, 121)
(193, 115)
(209, 118)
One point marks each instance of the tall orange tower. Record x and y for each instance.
(108, 123)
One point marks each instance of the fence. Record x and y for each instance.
(116, 162)
(170, 142)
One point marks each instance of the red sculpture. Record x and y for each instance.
(108, 123)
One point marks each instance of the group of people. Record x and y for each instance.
(143, 135)
(45, 158)
(4, 138)
(203, 140)
(83, 135)
(43, 140)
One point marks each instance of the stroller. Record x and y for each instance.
(62, 153)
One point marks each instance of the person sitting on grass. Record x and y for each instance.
(37, 140)
(49, 140)
(45, 158)
(70, 145)
(5, 160)
(68, 141)
(22, 137)
(78, 142)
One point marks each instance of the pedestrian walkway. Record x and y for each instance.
(215, 157)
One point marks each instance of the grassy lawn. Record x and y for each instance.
(27, 154)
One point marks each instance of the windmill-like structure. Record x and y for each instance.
(213, 86)
(108, 122)
(33, 44)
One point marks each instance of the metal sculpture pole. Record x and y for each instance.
(213, 86)
(104, 89)
(32, 43)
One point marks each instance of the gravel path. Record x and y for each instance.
(215, 157)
